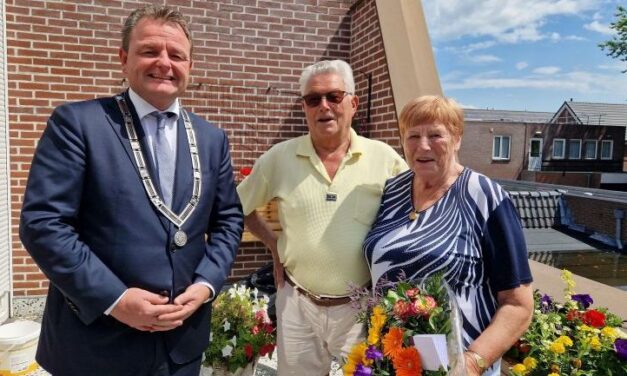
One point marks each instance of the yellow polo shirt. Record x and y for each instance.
(324, 221)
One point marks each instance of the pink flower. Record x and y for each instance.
(412, 293)
(424, 305)
(403, 309)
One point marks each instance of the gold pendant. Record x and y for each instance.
(413, 216)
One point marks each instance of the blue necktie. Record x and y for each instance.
(164, 158)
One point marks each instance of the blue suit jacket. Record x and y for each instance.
(90, 226)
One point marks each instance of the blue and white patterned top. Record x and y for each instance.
(473, 233)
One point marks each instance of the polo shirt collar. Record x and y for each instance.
(306, 149)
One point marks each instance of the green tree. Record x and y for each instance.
(617, 46)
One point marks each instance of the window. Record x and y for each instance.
(558, 148)
(500, 148)
(590, 149)
(607, 147)
(574, 149)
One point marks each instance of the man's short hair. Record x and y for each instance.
(157, 12)
(339, 67)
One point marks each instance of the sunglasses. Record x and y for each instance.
(335, 97)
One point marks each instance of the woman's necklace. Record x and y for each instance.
(432, 198)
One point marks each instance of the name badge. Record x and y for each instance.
(331, 196)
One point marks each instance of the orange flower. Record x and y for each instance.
(393, 342)
(407, 362)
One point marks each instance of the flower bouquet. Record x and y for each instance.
(241, 331)
(413, 329)
(570, 338)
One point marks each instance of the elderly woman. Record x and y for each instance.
(442, 216)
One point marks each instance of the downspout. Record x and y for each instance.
(619, 214)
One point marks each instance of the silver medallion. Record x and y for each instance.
(180, 238)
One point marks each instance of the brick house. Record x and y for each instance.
(533, 146)
(495, 142)
(248, 55)
(593, 114)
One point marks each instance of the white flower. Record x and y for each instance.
(226, 325)
(227, 351)
(234, 341)
(210, 338)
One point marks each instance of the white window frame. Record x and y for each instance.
(584, 149)
(500, 157)
(579, 151)
(563, 141)
(611, 142)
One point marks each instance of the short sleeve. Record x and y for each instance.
(254, 190)
(504, 248)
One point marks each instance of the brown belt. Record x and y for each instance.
(319, 300)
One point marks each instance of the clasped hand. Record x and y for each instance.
(146, 311)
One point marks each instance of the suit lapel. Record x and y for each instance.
(116, 120)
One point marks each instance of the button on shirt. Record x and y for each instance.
(324, 220)
(149, 125)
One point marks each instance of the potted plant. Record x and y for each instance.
(241, 332)
(570, 338)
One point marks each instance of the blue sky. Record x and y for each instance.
(525, 54)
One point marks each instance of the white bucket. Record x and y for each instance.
(18, 344)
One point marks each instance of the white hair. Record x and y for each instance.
(339, 67)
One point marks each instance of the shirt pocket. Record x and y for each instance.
(367, 202)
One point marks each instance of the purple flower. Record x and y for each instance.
(373, 353)
(584, 299)
(362, 370)
(620, 346)
(545, 303)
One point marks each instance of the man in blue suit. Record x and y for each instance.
(131, 212)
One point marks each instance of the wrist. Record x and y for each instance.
(477, 361)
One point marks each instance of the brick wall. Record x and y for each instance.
(597, 215)
(477, 143)
(248, 55)
(368, 60)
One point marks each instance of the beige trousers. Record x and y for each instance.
(310, 336)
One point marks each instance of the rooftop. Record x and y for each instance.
(472, 114)
(597, 113)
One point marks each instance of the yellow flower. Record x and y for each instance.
(609, 332)
(378, 317)
(567, 277)
(374, 335)
(358, 354)
(519, 369)
(554, 374)
(586, 328)
(530, 362)
(349, 368)
(557, 347)
(595, 343)
(565, 340)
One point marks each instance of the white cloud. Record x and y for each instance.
(617, 67)
(547, 70)
(583, 83)
(599, 28)
(509, 21)
(555, 37)
(483, 59)
(575, 37)
(521, 65)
